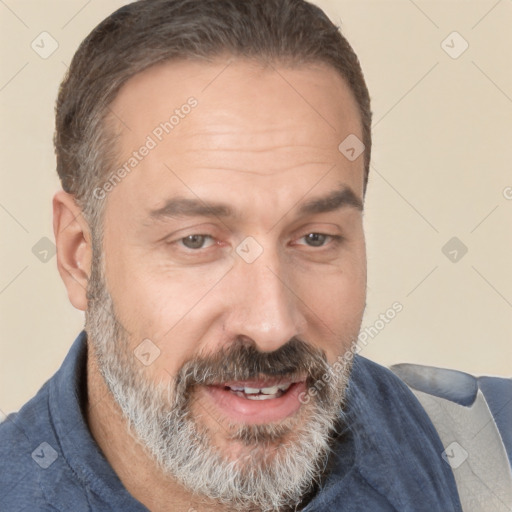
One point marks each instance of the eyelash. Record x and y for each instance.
(195, 235)
(334, 239)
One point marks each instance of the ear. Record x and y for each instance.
(74, 247)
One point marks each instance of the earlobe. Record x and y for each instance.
(74, 247)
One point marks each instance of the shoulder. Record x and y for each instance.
(380, 393)
(465, 390)
(456, 403)
(454, 386)
(394, 434)
(473, 417)
(23, 453)
(34, 472)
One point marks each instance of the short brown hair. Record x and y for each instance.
(148, 32)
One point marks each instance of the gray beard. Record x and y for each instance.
(268, 477)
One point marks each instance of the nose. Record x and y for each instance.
(264, 306)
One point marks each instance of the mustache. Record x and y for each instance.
(242, 360)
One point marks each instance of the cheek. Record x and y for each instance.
(334, 301)
(164, 305)
(338, 300)
(151, 294)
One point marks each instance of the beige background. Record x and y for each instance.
(442, 165)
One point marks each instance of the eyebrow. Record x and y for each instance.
(183, 207)
(341, 198)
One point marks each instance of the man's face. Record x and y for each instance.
(237, 234)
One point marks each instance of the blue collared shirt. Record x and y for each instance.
(388, 458)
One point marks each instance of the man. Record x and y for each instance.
(214, 157)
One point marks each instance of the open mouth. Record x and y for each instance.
(260, 401)
(254, 392)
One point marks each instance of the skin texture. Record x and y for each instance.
(262, 140)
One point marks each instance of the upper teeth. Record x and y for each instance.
(267, 391)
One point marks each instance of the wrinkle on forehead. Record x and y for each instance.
(246, 98)
(249, 121)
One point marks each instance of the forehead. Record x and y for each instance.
(235, 123)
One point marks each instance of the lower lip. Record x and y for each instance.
(245, 410)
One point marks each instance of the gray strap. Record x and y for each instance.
(474, 450)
